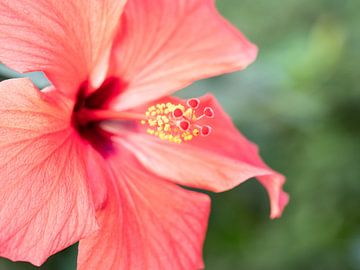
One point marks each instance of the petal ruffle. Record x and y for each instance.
(163, 46)
(69, 40)
(45, 205)
(218, 162)
(147, 223)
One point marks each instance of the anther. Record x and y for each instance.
(177, 123)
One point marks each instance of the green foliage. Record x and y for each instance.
(300, 102)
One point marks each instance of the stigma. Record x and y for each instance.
(178, 123)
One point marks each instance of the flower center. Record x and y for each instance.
(175, 123)
(85, 118)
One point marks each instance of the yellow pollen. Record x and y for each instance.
(160, 122)
(170, 122)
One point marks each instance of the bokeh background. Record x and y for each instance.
(300, 102)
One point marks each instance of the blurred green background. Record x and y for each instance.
(300, 102)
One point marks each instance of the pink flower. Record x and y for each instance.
(97, 156)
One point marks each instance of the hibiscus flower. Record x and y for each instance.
(99, 155)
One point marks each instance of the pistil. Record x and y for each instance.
(175, 123)
(85, 116)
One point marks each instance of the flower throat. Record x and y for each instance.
(172, 122)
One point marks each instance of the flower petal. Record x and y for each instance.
(45, 205)
(147, 223)
(68, 40)
(163, 46)
(217, 162)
